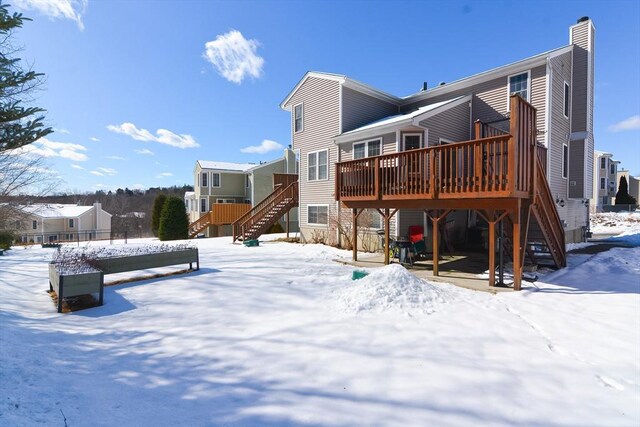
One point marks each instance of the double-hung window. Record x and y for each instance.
(519, 84)
(71, 223)
(565, 105)
(603, 183)
(35, 224)
(603, 162)
(366, 149)
(298, 112)
(203, 205)
(613, 168)
(215, 180)
(318, 165)
(411, 141)
(318, 214)
(204, 180)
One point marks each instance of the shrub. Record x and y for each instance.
(158, 204)
(6, 239)
(174, 224)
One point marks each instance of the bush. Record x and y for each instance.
(6, 239)
(174, 224)
(158, 204)
(275, 228)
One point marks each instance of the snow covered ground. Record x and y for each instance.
(280, 335)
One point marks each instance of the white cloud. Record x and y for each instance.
(164, 175)
(47, 148)
(61, 131)
(234, 56)
(163, 136)
(137, 187)
(77, 167)
(115, 158)
(97, 173)
(68, 9)
(145, 152)
(632, 123)
(266, 146)
(108, 171)
(94, 139)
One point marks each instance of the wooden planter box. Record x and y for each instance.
(71, 285)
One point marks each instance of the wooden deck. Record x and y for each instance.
(498, 174)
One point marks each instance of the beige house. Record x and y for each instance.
(230, 189)
(45, 223)
(632, 181)
(605, 180)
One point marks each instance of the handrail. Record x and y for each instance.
(199, 224)
(257, 208)
(284, 179)
(290, 192)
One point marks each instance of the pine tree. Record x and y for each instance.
(622, 196)
(20, 125)
(174, 224)
(158, 204)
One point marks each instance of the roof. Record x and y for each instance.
(263, 164)
(346, 81)
(189, 194)
(225, 166)
(413, 117)
(46, 210)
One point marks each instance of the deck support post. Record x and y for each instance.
(354, 232)
(492, 251)
(387, 214)
(435, 220)
(287, 216)
(517, 252)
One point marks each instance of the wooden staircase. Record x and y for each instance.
(220, 214)
(199, 225)
(262, 216)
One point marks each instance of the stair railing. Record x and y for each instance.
(290, 192)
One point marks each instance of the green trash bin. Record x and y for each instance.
(357, 275)
(250, 243)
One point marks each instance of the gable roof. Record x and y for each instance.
(344, 80)
(392, 122)
(45, 210)
(225, 166)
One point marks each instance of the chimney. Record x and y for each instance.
(424, 87)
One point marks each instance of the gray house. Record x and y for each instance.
(337, 119)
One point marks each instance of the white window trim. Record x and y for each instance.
(366, 147)
(247, 181)
(318, 165)
(219, 180)
(444, 141)
(315, 223)
(208, 181)
(603, 181)
(72, 223)
(302, 117)
(528, 72)
(566, 105)
(565, 172)
(206, 205)
(420, 134)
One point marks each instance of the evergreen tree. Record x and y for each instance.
(158, 204)
(622, 196)
(20, 125)
(174, 224)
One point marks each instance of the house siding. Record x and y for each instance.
(453, 124)
(359, 109)
(321, 122)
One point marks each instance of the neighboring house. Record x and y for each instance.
(605, 180)
(40, 223)
(229, 190)
(633, 183)
(337, 119)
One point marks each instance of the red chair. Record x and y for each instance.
(416, 233)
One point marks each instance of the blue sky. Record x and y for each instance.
(139, 90)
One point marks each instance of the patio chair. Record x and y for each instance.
(416, 236)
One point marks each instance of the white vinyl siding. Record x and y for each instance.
(318, 214)
(318, 166)
(298, 118)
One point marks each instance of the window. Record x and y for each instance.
(318, 214)
(318, 167)
(603, 183)
(71, 223)
(203, 205)
(411, 141)
(225, 201)
(247, 181)
(565, 160)
(203, 182)
(297, 118)
(613, 168)
(603, 162)
(215, 180)
(367, 149)
(518, 85)
(34, 224)
(566, 100)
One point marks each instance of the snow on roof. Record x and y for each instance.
(390, 120)
(46, 210)
(189, 194)
(239, 167)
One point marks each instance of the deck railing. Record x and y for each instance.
(284, 179)
(499, 165)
